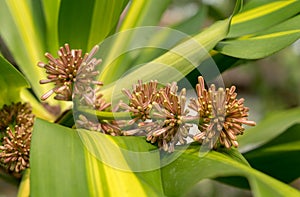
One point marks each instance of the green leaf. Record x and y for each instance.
(76, 163)
(140, 13)
(11, 83)
(144, 13)
(51, 13)
(269, 128)
(174, 64)
(84, 24)
(258, 15)
(223, 63)
(22, 33)
(189, 169)
(193, 24)
(284, 148)
(24, 188)
(56, 161)
(262, 44)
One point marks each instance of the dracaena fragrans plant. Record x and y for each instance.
(108, 103)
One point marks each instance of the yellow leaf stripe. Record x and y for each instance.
(260, 11)
(106, 179)
(20, 12)
(277, 34)
(271, 35)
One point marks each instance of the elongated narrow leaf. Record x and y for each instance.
(284, 148)
(84, 24)
(67, 162)
(269, 128)
(22, 34)
(51, 13)
(176, 63)
(24, 189)
(264, 43)
(140, 13)
(193, 24)
(11, 83)
(258, 15)
(189, 169)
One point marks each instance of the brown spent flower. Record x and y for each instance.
(15, 126)
(222, 115)
(69, 68)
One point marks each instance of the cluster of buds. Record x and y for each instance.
(161, 115)
(158, 112)
(72, 74)
(16, 123)
(222, 115)
(74, 78)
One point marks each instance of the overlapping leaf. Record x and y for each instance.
(273, 157)
(189, 168)
(270, 31)
(84, 24)
(115, 63)
(72, 169)
(22, 33)
(11, 83)
(268, 129)
(104, 170)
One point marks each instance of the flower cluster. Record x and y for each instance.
(222, 115)
(160, 114)
(16, 122)
(71, 73)
(73, 76)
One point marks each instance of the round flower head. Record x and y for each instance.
(15, 128)
(16, 113)
(221, 114)
(69, 68)
(14, 152)
(170, 114)
(141, 100)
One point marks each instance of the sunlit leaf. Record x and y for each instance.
(65, 157)
(11, 83)
(24, 188)
(258, 15)
(140, 13)
(264, 43)
(22, 34)
(176, 63)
